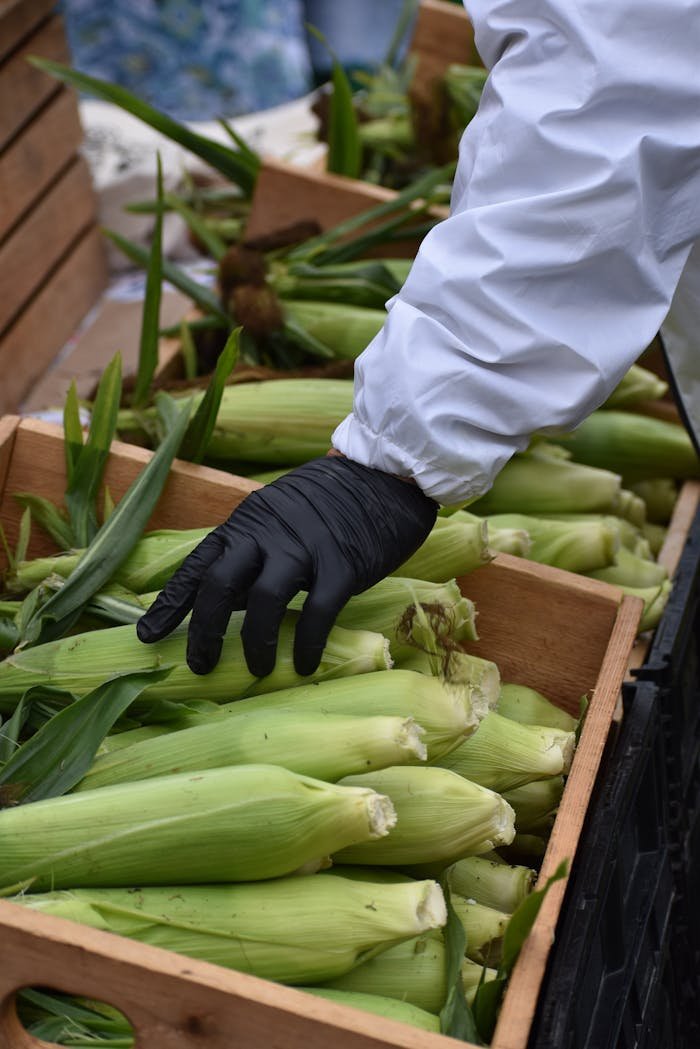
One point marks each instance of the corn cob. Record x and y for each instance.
(452, 549)
(133, 833)
(490, 881)
(440, 816)
(459, 669)
(575, 546)
(525, 849)
(414, 971)
(345, 330)
(503, 754)
(655, 535)
(630, 570)
(529, 707)
(391, 1008)
(294, 930)
(446, 712)
(82, 662)
(309, 742)
(535, 483)
(484, 928)
(636, 385)
(533, 803)
(660, 495)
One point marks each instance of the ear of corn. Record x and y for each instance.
(460, 670)
(535, 802)
(446, 712)
(636, 385)
(530, 707)
(630, 570)
(440, 816)
(294, 930)
(310, 742)
(391, 1008)
(575, 546)
(490, 881)
(659, 495)
(525, 849)
(537, 483)
(346, 330)
(133, 833)
(636, 446)
(452, 549)
(655, 536)
(503, 754)
(414, 971)
(82, 662)
(483, 927)
(281, 421)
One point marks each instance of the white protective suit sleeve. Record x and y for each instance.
(575, 207)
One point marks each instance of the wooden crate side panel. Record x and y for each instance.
(194, 496)
(515, 1020)
(176, 1002)
(18, 18)
(285, 195)
(40, 242)
(31, 343)
(529, 612)
(443, 35)
(36, 157)
(24, 89)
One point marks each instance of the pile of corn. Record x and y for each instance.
(403, 760)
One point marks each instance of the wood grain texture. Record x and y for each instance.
(18, 18)
(24, 89)
(285, 195)
(39, 243)
(31, 343)
(683, 515)
(538, 622)
(37, 156)
(442, 36)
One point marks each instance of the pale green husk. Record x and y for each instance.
(530, 707)
(345, 330)
(575, 546)
(293, 930)
(484, 928)
(244, 823)
(490, 881)
(537, 482)
(534, 802)
(390, 1008)
(452, 549)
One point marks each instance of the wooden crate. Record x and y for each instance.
(442, 36)
(52, 264)
(546, 628)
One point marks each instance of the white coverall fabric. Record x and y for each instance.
(575, 208)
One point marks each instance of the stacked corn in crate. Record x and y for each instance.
(52, 265)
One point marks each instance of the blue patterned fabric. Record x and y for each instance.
(194, 60)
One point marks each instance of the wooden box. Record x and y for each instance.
(549, 629)
(442, 36)
(52, 263)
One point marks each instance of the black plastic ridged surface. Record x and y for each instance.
(603, 981)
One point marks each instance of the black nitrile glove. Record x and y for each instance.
(331, 526)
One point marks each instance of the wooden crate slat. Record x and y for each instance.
(35, 158)
(31, 343)
(39, 243)
(17, 19)
(443, 35)
(285, 194)
(24, 89)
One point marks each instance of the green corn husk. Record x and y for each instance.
(446, 712)
(281, 421)
(414, 971)
(660, 495)
(461, 669)
(324, 746)
(529, 707)
(440, 816)
(525, 849)
(535, 802)
(391, 1008)
(346, 330)
(503, 754)
(335, 923)
(82, 662)
(484, 928)
(638, 447)
(399, 269)
(630, 570)
(655, 535)
(388, 608)
(490, 881)
(630, 507)
(655, 599)
(540, 484)
(637, 385)
(133, 833)
(452, 549)
(629, 534)
(572, 545)
(361, 282)
(515, 541)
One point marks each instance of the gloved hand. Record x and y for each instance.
(332, 527)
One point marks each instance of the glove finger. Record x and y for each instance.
(222, 590)
(327, 597)
(177, 596)
(281, 578)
